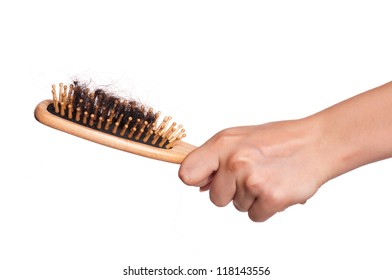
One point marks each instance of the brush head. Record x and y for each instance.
(104, 111)
(120, 123)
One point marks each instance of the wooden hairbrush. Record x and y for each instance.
(124, 124)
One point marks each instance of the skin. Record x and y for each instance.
(266, 168)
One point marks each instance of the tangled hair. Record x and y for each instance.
(103, 110)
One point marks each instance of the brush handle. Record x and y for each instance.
(174, 155)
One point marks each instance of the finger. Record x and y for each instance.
(258, 211)
(243, 199)
(198, 168)
(205, 188)
(222, 188)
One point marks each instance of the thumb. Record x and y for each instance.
(199, 167)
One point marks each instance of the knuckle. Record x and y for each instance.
(276, 199)
(223, 137)
(243, 159)
(254, 183)
(236, 162)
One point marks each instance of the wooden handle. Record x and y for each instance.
(174, 155)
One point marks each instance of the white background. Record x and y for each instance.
(72, 209)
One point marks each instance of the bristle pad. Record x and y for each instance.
(103, 111)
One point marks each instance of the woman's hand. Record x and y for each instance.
(263, 169)
(266, 168)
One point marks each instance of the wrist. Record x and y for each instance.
(340, 149)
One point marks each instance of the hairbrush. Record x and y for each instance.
(102, 117)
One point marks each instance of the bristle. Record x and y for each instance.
(108, 123)
(141, 130)
(61, 91)
(78, 112)
(85, 115)
(126, 126)
(100, 120)
(173, 134)
(158, 131)
(62, 110)
(92, 119)
(70, 111)
(64, 95)
(171, 144)
(70, 90)
(55, 100)
(166, 133)
(134, 128)
(148, 135)
(101, 110)
(169, 132)
(176, 134)
(116, 125)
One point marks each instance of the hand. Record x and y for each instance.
(263, 169)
